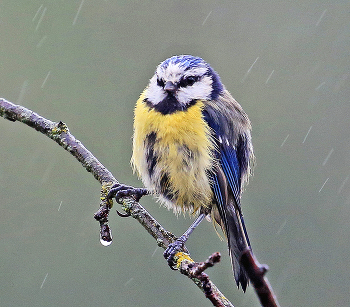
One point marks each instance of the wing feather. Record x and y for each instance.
(226, 185)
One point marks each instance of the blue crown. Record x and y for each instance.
(185, 61)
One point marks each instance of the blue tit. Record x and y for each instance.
(192, 148)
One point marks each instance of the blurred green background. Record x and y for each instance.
(86, 62)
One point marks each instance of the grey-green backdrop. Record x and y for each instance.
(85, 62)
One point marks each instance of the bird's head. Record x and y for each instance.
(180, 81)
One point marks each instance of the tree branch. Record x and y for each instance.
(59, 132)
(256, 273)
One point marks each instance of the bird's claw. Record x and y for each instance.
(119, 191)
(123, 214)
(171, 251)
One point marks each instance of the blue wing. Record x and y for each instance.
(226, 185)
(230, 161)
(231, 168)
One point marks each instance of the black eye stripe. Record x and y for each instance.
(160, 82)
(188, 81)
(184, 82)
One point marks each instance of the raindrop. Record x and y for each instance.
(247, 73)
(328, 156)
(76, 16)
(42, 284)
(322, 84)
(270, 75)
(319, 20)
(323, 185)
(40, 43)
(47, 76)
(307, 134)
(155, 251)
(41, 18)
(343, 184)
(37, 12)
(282, 226)
(205, 20)
(285, 140)
(105, 243)
(129, 281)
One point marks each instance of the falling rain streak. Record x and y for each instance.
(285, 140)
(322, 84)
(59, 207)
(129, 281)
(328, 156)
(248, 72)
(76, 16)
(39, 44)
(307, 134)
(282, 226)
(155, 251)
(319, 20)
(323, 185)
(269, 77)
(343, 183)
(40, 19)
(47, 76)
(37, 12)
(42, 284)
(205, 20)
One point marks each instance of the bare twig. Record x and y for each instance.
(195, 270)
(59, 132)
(256, 273)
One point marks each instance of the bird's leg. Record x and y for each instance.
(119, 191)
(176, 246)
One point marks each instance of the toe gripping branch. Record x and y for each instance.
(176, 252)
(177, 249)
(108, 192)
(118, 191)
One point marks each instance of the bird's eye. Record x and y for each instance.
(160, 82)
(188, 81)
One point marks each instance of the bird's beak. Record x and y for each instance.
(170, 87)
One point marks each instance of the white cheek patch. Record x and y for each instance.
(155, 93)
(199, 90)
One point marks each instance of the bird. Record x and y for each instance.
(192, 149)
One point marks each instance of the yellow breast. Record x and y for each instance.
(181, 155)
